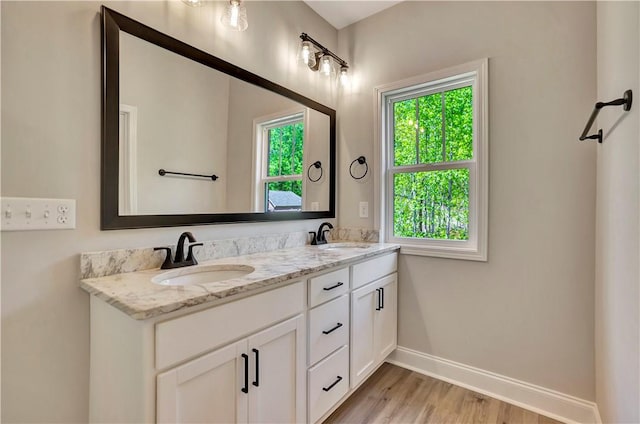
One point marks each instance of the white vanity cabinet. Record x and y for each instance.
(288, 354)
(373, 331)
(328, 335)
(242, 361)
(256, 380)
(373, 315)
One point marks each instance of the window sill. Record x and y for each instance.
(443, 252)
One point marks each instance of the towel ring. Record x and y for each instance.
(318, 165)
(362, 161)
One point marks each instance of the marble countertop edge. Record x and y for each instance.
(134, 294)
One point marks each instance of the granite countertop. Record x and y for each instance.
(135, 294)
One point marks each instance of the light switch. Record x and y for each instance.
(364, 209)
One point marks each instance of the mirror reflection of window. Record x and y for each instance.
(281, 185)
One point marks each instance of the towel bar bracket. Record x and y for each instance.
(625, 101)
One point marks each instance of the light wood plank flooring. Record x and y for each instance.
(397, 395)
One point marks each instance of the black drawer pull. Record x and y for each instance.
(256, 381)
(245, 389)
(333, 287)
(382, 298)
(379, 306)
(338, 325)
(326, 389)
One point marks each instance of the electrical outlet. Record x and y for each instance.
(364, 209)
(21, 213)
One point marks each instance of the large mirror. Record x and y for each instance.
(191, 139)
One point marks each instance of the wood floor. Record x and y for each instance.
(397, 395)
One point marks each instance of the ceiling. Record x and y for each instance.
(342, 13)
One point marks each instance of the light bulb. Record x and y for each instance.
(325, 65)
(344, 76)
(193, 3)
(235, 16)
(307, 55)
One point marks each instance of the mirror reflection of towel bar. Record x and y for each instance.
(162, 173)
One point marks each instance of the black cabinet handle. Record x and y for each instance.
(338, 325)
(245, 389)
(382, 298)
(256, 382)
(379, 306)
(333, 287)
(326, 389)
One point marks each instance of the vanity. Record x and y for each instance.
(287, 342)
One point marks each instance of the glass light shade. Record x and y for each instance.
(307, 54)
(343, 77)
(193, 3)
(326, 65)
(235, 16)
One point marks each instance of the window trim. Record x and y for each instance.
(261, 126)
(472, 249)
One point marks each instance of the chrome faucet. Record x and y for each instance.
(179, 260)
(320, 237)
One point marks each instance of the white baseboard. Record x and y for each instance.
(538, 399)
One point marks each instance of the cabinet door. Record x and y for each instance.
(277, 385)
(364, 302)
(373, 325)
(205, 390)
(386, 319)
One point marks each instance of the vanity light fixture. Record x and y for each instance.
(319, 58)
(235, 16)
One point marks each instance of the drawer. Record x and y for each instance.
(328, 328)
(191, 335)
(328, 286)
(328, 383)
(371, 270)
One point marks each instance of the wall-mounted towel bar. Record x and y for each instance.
(162, 173)
(625, 102)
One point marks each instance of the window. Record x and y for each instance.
(434, 151)
(280, 150)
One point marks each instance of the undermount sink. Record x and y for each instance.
(202, 274)
(344, 246)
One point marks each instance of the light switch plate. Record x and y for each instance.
(364, 209)
(22, 213)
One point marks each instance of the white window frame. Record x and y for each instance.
(474, 74)
(261, 127)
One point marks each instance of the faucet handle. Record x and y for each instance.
(190, 256)
(314, 241)
(167, 260)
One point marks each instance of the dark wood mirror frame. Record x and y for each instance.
(114, 22)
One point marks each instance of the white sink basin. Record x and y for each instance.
(344, 246)
(202, 274)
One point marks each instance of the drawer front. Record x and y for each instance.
(328, 286)
(328, 383)
(373, 269)
(191, 335)
(328, 328)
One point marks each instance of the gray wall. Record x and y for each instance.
(51, 148)
(527, 313)
(618, 217)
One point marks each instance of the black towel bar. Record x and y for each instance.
(625, 102)
(162, 173)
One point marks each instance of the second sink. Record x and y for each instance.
(202, 274)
